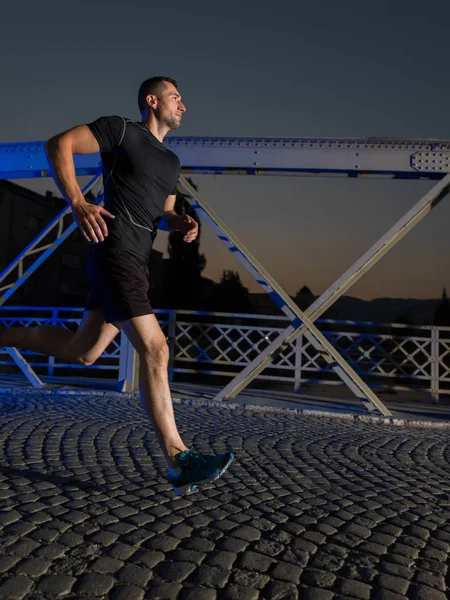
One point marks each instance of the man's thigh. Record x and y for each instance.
(94, 334)
(119, 285)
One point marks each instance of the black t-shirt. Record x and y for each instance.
(138, 174)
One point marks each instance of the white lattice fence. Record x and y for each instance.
(221, 345)
(393, 355)
(376, 355)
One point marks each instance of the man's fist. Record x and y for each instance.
(90, 220)
(189, 227)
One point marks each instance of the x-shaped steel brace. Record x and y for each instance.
(302, 323)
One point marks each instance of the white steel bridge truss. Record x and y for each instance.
(386, 158)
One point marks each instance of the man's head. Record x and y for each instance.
(159, 96)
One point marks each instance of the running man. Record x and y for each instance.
(140, 177)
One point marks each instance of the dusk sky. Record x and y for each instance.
(286, 68)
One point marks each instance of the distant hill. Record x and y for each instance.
(382, 310)
(387, 310)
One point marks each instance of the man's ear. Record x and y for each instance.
(151, 100)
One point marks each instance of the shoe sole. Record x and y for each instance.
(192, 488)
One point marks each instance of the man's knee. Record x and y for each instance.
(155, 354)
(83, 357)
(85, 360)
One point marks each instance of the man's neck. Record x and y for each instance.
(156, 128)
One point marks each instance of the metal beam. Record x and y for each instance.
(25, 367)
(365, 157)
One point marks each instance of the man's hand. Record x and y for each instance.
(90, 221)
(189, 227)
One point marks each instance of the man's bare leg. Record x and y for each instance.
(87, 344)
(83, 346)
(148, 340)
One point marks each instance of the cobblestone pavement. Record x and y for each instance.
(313, 507)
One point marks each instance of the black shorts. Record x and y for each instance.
(119, 283)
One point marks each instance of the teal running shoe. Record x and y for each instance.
(197, 470)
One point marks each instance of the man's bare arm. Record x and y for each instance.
(183, 223)
(60, 150)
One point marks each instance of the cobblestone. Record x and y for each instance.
(126, 592)
(253, 561)
(232, 545)
(211, 576)
(149, 558)
(176, 571)
(33, 567)
(249, 534)
(317, 578)
(355, 589)
(15, 588)
(431, 580)
(286, 572)
(121, 551)
(93, 584)
(223, 560)
(6, 562)
(394, 584)
(58, 585)
(238, 592)
(421, 592)
(107, 565)
(250, 579)
(314, 508)
(134, 575)
(200, 594)
(164, 591)
(315, 594)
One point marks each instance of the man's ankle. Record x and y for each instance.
(173, 457)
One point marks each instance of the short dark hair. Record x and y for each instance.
(152, 86)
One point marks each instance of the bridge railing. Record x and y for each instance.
(213, 347)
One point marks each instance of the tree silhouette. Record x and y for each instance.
(230, 295)
(184, 287)
(187, 256)
(303, 298)
(442, 311)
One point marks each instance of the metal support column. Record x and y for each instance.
(298, 363)
(435, 364)
(128, 366)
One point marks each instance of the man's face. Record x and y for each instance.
(169, 109)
